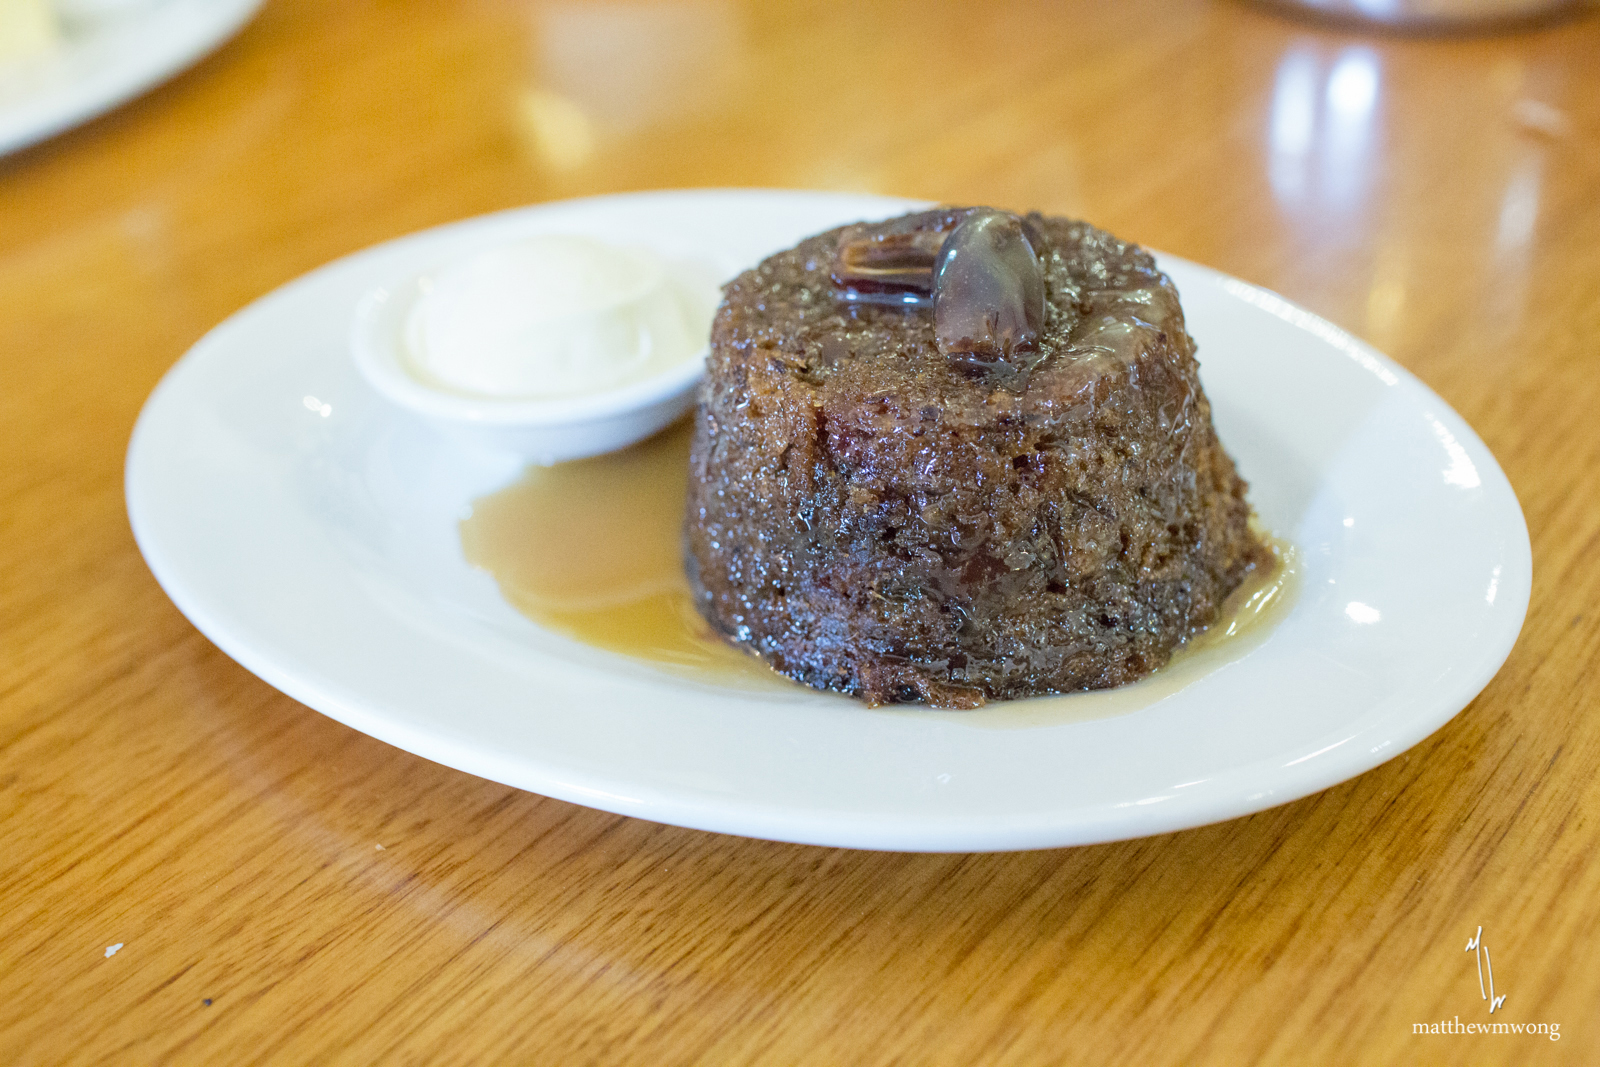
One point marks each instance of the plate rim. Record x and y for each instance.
(30, 118)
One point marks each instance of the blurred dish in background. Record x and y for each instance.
(63, 62)
(1437, 14)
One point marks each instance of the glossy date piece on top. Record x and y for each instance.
(893, 262)
(988, 293)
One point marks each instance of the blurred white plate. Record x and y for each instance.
(310, 530)
(110, 62)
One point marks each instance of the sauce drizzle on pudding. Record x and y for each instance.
(593, 550)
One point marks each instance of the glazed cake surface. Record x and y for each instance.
(874, 515)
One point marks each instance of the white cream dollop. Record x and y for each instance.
(554, 316)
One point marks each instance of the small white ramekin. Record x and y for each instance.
(541, 431)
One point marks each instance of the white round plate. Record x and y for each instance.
(111, 63)
(310, 530)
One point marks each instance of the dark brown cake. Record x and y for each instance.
(879, 510)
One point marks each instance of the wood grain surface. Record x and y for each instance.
(1438, 197)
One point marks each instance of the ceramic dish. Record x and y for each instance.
(309, 528)
(111, 62)
(541, 430)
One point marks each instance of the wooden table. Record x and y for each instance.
(1440, 198)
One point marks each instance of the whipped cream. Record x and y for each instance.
(554, 316)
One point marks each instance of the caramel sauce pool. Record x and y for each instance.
(592, 549)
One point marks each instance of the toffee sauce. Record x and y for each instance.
(593, 550)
